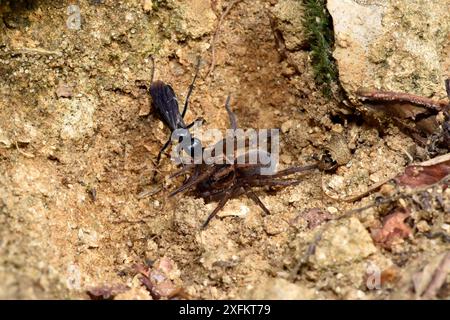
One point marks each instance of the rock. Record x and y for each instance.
(147, 5)
(184, 221)
(64, 91)
(354, 294)
(347, 241)
(106, 292)
(287, 125)
(88, 238)
(337, 183)
(4, 140)
(394, 45)
(295, 196)
(133, 294)
(234, 209)
(273, 225)
(280, 289)
(162, 280)
(168, 267)
(194, 18)
(77, 118)
(394, 228)
(332, 210)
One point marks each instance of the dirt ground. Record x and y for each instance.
(78, 141)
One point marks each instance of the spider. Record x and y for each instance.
(222, 182)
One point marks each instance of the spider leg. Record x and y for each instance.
(289, 171)
(182, 171)
(192, 182)
(222, 202)
(223, 171)
(258, 201)
(194, 175)
(264, 182)
(164, 147)
(211, 195)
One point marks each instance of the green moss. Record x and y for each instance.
(318, 26)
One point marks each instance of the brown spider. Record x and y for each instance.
(221, 182)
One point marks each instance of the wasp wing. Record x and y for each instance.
(165, 101)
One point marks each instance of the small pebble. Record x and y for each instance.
(286, 126)
(147, 5)
(64, 91)
(423, 226)
(332, 210)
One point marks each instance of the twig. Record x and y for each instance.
(438, 278)
(447, 87)
(358, 196)
(215, 36)
(388, 96)
(149, 193)
(304, 260)
(434, 161)
(26, 154)
(38, 51)
(440, 234)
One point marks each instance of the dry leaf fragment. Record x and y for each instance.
(390, 275)
(316, 217)
(394, 227)
(158, 279)
(416, 176)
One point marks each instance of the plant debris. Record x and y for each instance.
(419, 176)
(216, 36)
(159, 280)
(393, 228)
(409, 99)
(429, 117)
(315, 217)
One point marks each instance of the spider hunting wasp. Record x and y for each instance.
(166, 104)
(214, 181)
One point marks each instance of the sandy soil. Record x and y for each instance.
(78, 141)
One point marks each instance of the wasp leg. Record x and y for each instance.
(191, 87)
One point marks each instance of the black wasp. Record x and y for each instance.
(166, 103)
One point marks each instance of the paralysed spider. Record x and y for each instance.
(221, 182)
